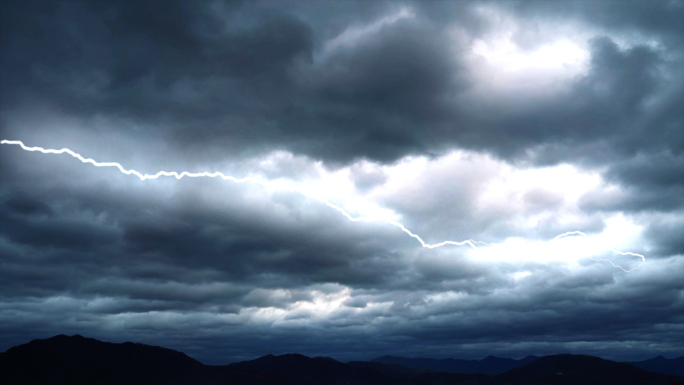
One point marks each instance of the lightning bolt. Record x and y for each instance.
(643, 259)
(217, 174)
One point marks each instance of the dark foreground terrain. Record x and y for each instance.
(78, 360)
(490, 365)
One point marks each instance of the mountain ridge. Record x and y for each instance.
(660, 364)
(491, 365)
(78, 360)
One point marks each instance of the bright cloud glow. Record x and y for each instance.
(520, 275)
(504, 184)
(562, 56)
(570, 249)
(538, 59)
(323, 305)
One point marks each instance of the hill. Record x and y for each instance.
(562, 369)
(79, 360)
(660, 364)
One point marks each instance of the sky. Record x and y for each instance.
(508, 123)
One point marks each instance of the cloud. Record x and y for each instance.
(352, 37)
(404, 112)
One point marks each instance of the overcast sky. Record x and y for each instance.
(508, 123)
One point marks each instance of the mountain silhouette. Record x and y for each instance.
(77, 360)
(660, 364)
(490, 365)
(562, 369)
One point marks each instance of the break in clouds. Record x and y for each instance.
(503, 122)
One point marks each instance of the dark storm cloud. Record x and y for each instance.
(653, 182)
(660, 18)
(130, 65)
(126, 58)
(123, 235)
(226, 271)
(159, 63)
(667, 235)
(605, 105)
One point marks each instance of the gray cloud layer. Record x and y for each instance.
(297, 90)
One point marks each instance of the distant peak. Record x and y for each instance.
(293, 355)
(388, 357)
(62, 336)
(490, 357)
(325, 359)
